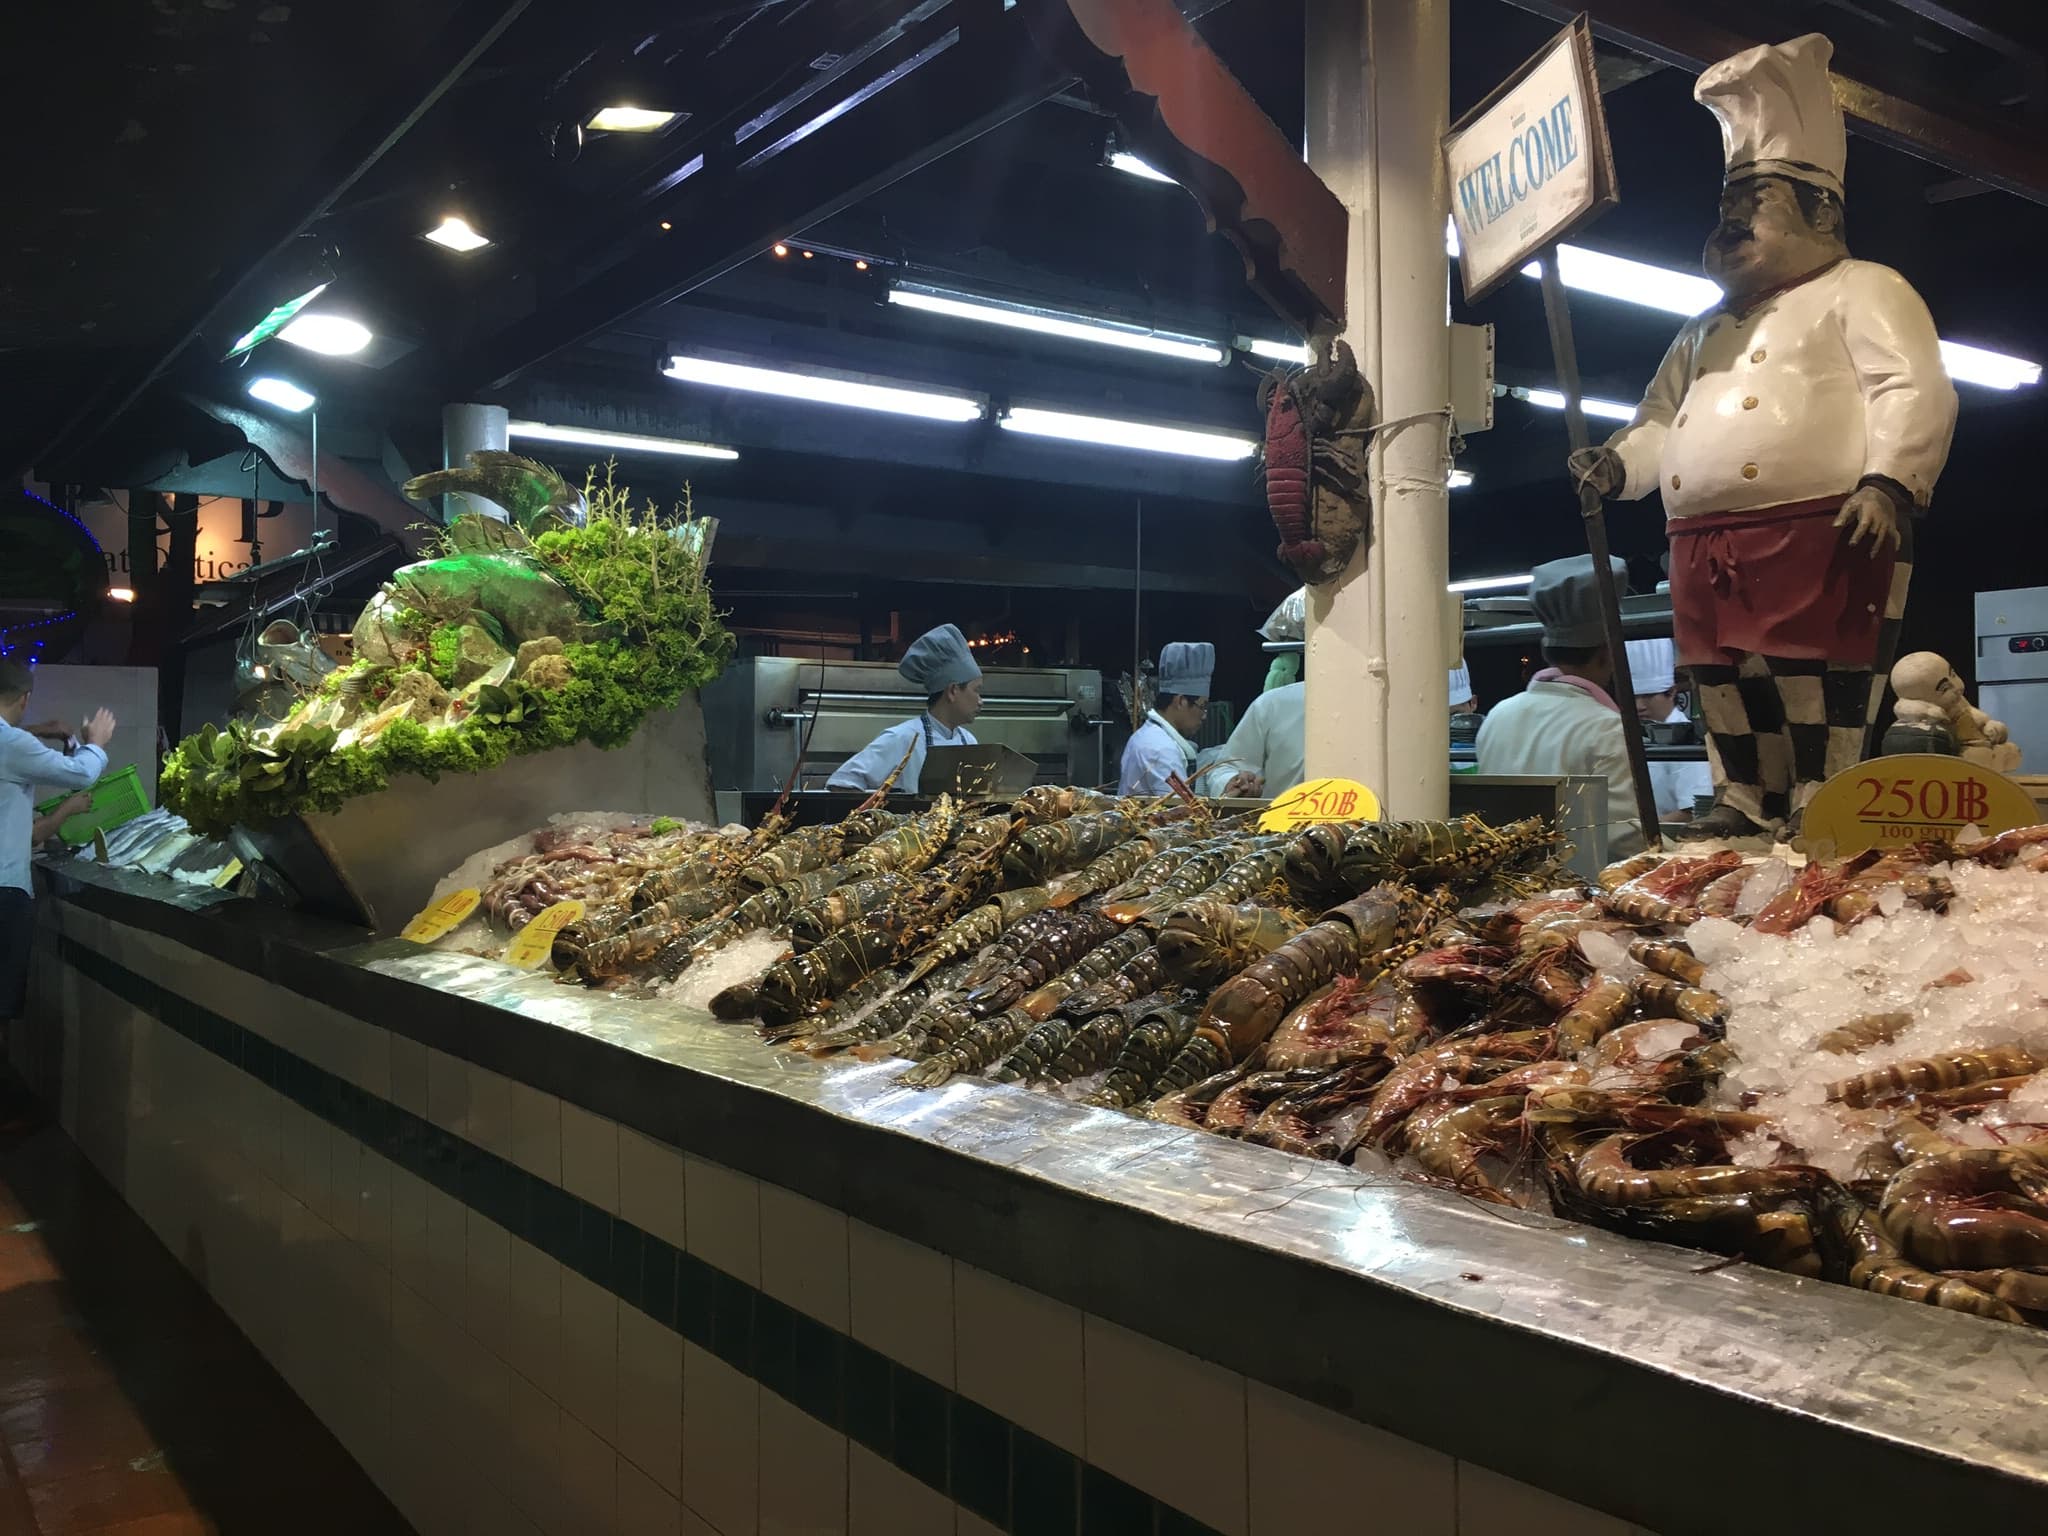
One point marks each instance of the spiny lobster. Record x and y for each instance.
(1315, 478)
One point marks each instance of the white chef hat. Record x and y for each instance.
(1290, 620)
(1461, 684)
(1777, 110)
(939, 658)
(1652, 665)
(1186, 666)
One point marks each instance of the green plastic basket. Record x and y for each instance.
(116, 798)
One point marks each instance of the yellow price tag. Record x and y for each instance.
(228, 871)
(536, 941)
(1320, 800)
(1915, 797)
(441, 916)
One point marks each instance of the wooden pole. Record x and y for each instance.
(1558, 312)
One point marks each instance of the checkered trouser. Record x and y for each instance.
(1779, 727)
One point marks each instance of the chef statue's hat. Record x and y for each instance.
(1652, 665)
(1186, 666)
(1777, 110)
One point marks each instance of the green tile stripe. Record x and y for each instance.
(977, 1458)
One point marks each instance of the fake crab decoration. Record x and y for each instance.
(1315, 454)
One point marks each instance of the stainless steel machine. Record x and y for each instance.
(755, 716)
(2012, 668)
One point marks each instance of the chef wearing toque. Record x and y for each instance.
(939, 663)
(1653, 668)
(1164, 744)
(1565, 722)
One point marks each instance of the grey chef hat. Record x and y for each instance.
(1186, 667)
(1566, 598)
(939, 658)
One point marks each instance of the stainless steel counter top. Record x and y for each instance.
(1657, 1382)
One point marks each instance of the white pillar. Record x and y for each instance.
(1376, 663)
(465, 429)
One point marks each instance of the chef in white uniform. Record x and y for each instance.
(1793, 431)
(1164, 744)
(1653, 668)
(1565, 722)
(939, 663)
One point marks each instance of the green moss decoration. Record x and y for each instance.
(640, 579)
(444, 650)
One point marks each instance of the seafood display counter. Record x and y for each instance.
(549, 1258)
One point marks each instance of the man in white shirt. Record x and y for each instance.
(1652, 665)
(940, 663)
(1163, 747)
(1565, 722)
(25, 764)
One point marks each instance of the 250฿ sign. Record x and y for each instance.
(1889, 802)
(1530, 164)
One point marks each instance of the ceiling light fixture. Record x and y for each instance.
(1553, 400)
(329, 335)
(1278, 351)
(1054, 322)
(1993, 370)
(1123, 160)
(1460, 478)
(625, 119)
(121, 594)
(781, 249)
(282, 393)
(624, 442)
(856, 390)
(456, 234)
(860, 264)
(1107, 432)
(1632, 282)
(1491, 584)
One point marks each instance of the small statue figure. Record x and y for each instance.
(1933, 714)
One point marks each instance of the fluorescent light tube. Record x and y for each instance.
(852, 390)
(625, 442)
(121, 594)
(1553, 400)
(329, 335)
(628, 120)
(281, 393)
(1491, 584)
(1460, 478)
(1131, 165)
(1993, 370)
(1632, 282)
(456, 234)
(1106, 432)
(1052, 322)
(1279, 351)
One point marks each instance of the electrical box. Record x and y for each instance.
(1472, 378)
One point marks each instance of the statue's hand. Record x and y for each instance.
(1600, 468)
(1869, 512)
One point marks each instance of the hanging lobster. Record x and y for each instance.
(1315, 478)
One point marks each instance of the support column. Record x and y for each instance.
(464, 430)
(1376, 662)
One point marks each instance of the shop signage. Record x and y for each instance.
(1320, 800)
(442, 916)
(536, 941)
(1531, 163)
(1889, 802)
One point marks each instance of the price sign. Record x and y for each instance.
(1320, 800)
(1914, 797)
(533, 943)
(441, 916)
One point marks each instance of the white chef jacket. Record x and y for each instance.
(1155, 750)
(1554, 728)
(1831, 380)
(26, 763)
(1675, 784)
(874, 762)
(1268, 741)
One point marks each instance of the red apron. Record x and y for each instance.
(1777, 581)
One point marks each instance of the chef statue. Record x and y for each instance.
(1933, 714)
(1794, 431)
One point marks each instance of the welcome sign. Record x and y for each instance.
(1531, 163)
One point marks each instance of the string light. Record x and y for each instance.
(781, 249)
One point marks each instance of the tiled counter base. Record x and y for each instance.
(521, 1314)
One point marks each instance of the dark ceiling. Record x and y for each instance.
(234, 143)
